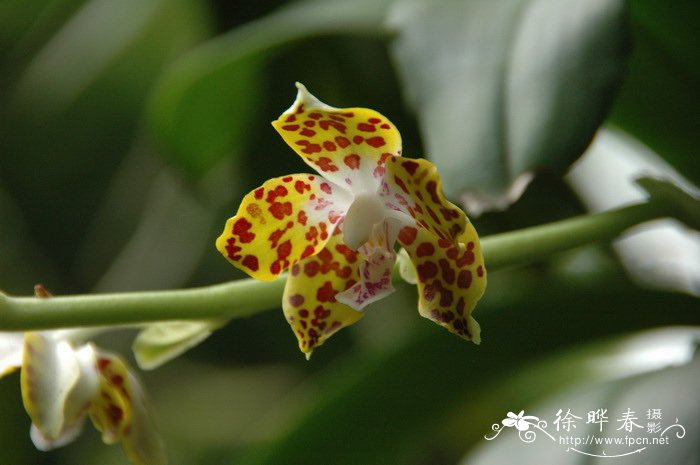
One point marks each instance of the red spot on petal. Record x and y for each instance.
(330, 146)
(306, 132)
(315, 115)
(376, 141)
(326, 164)
(452, 253)
(407, 235)
(426, 271)
(326, 124)
(326, 293)
(448, 274)
(308, 147)
(410, 167)
(431, 186)
(464, 280)
(258, 193)
(364, 127)
(301, 186)
(290, 127)
(240, 229)
(352, 161)
(116, 414)
(480, 271)
(350, 255)
(284, 250)
(426, 249)
(308, 251)
(302, 218)
(358, 139)
(385, 126)
(279, 209)
(309, 123)
(433, 215)
(342, 141)
(374, 120)
(251, 262)
(466, 259)
(296, 300)
(401, 184)
(325, 187)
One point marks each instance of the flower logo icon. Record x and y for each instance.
(520, 421)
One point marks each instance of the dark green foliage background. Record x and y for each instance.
(129, 131)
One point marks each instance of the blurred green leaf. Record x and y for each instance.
(202, 107)
(25, 26)
(659, 100)
(651, 370)
(415, 387)
(502, 88)
(75, 109)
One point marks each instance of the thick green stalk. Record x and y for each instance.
(536, 243)
(247, 297)
(231, 300)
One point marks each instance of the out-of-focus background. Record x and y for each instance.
(129, 131)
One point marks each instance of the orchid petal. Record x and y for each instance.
(11, 344)
(413, 186)
(309, 301)
(50, 370)
(85, 389)
(68, 435)
(119, 412)
(161, 342)
(442, 244)
(287, 219)
(451, 278)
(347, 146)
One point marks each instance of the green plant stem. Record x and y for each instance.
(247, 296)
(536, 243)
(230, 300)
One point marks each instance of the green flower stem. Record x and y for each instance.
(230, 300)
(536, 243)
(247, 296)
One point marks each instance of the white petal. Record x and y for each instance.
(68, 435)
(86, 387)
(50, 370)
(11, 344)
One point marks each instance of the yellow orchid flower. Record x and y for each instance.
(336, 230)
